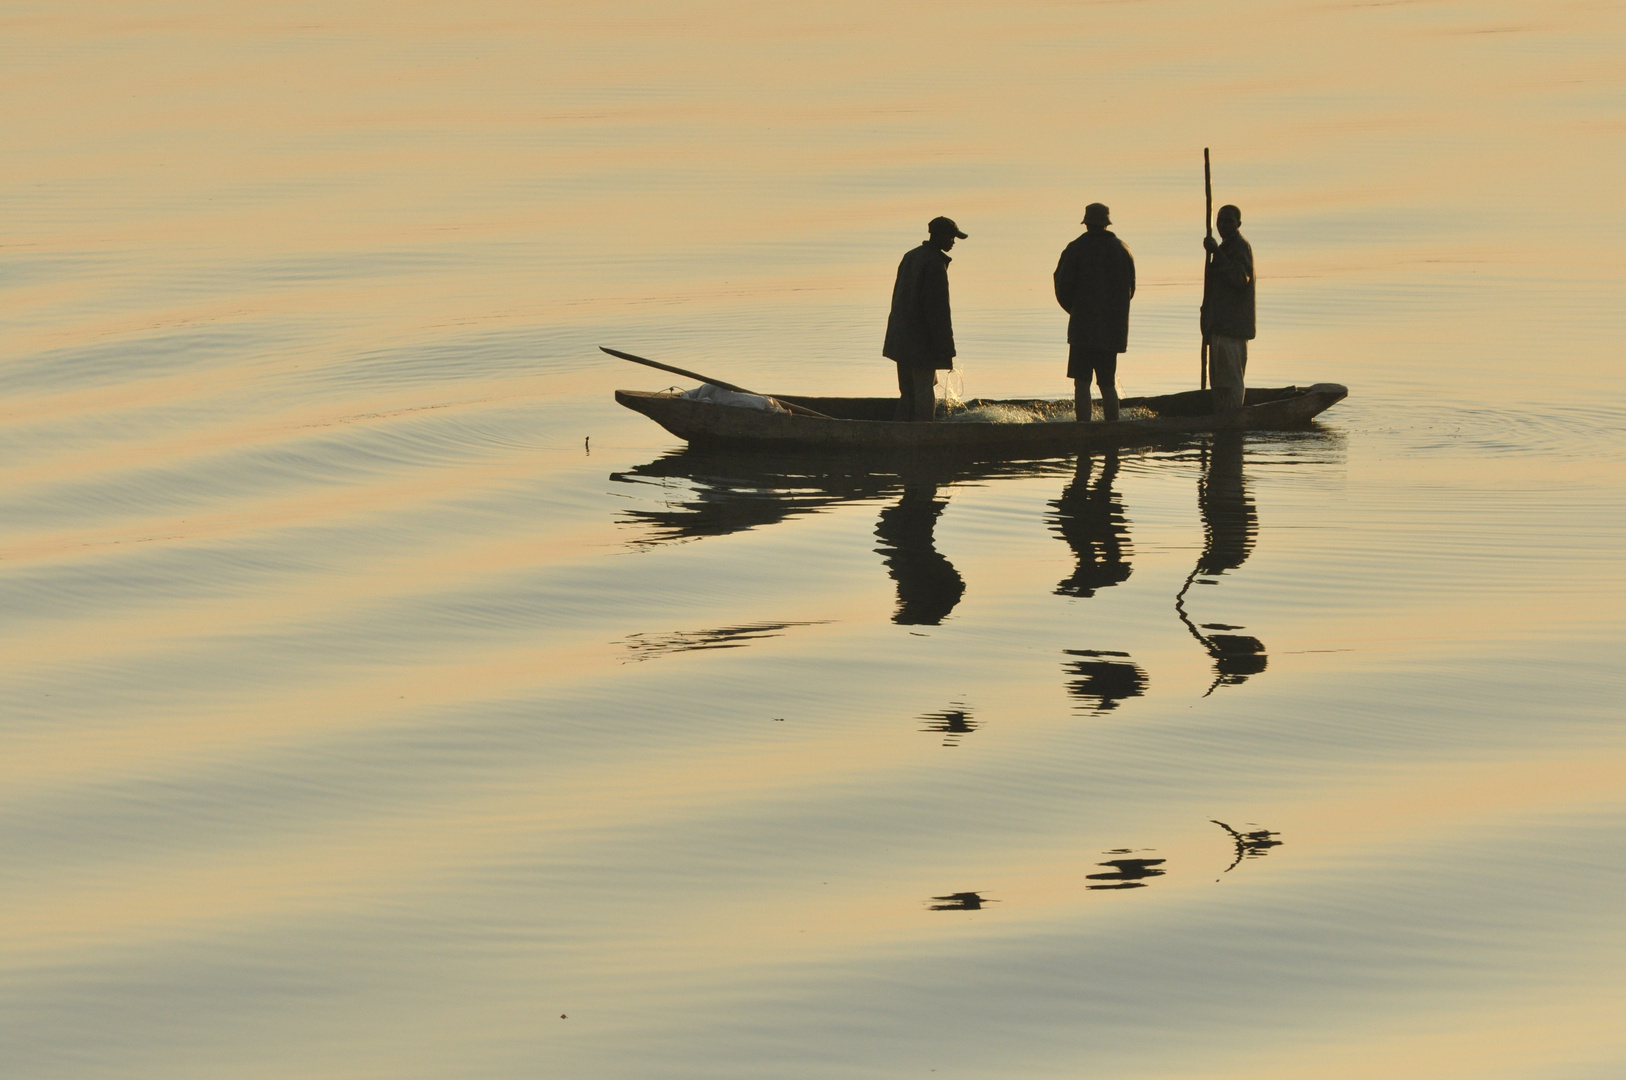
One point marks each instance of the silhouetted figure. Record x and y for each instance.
(928, 584)
(1229, 528)
(1249, 845)
(1095, 281)
(1227, 314)
(1091, 520)
(1099, 684)
(1127, 873)
(920, 332)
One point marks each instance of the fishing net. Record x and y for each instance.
(1027, 412)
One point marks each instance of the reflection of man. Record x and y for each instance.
(1095, 280)
(1229, 528)
(928, 584)
(1227, 316)
(1229, 520)
(1091, 520)
(920, 332)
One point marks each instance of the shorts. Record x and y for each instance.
(1082, 362)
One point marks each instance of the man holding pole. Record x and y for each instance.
(1095, 281)
(1227, 314)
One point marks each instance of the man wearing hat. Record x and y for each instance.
(1227, 314)
(919, 332)
(1095, 280)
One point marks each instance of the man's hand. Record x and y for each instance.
(1210, 245)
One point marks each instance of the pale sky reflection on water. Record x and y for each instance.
(351, 718)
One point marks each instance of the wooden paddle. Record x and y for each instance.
(799, 410)
(1208, 222)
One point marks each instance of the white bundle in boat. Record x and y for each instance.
(1029, 412)
(716, 395)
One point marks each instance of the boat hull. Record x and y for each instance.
(865, 424)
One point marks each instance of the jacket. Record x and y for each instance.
(1228, 291)
(1095, 280)
(920, 332)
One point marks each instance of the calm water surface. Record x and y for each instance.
(378, 699)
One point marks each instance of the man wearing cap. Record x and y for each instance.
(1227, 316)
(1095, 280)
(919, 332)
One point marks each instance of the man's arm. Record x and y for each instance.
(1066, 278)
(1129, 270)
(934, 305)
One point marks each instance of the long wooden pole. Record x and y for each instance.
(801, 409)
(1208, 223)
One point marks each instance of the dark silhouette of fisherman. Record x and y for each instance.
(928, 584)
(1091, 519)
(920, 332)
(1228, 309)
(1095, 281)
(1230, 526)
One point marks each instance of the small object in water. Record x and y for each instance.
(1127, 873)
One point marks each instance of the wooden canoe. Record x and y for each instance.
(867, 424)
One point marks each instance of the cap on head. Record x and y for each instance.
(942, 226)
(1097, 214)
(1231, 212)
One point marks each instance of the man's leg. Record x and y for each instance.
(925, 401)
(1078, 370)
(1227, 365)
(915, 398)
(1106, 373)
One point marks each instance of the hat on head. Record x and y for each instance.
(942, 226)
(1097, 214)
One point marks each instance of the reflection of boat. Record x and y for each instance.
(715, 492)
(1230, 526)
(867, 424)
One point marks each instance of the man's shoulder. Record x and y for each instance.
(1084, 244)
(925, 253)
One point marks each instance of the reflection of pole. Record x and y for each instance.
(1180, 598)
(1208, 223)
(1241, 847)
(1208, 645)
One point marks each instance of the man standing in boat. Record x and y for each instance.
(920, 332)
(1095, 281)
(1227, 315)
